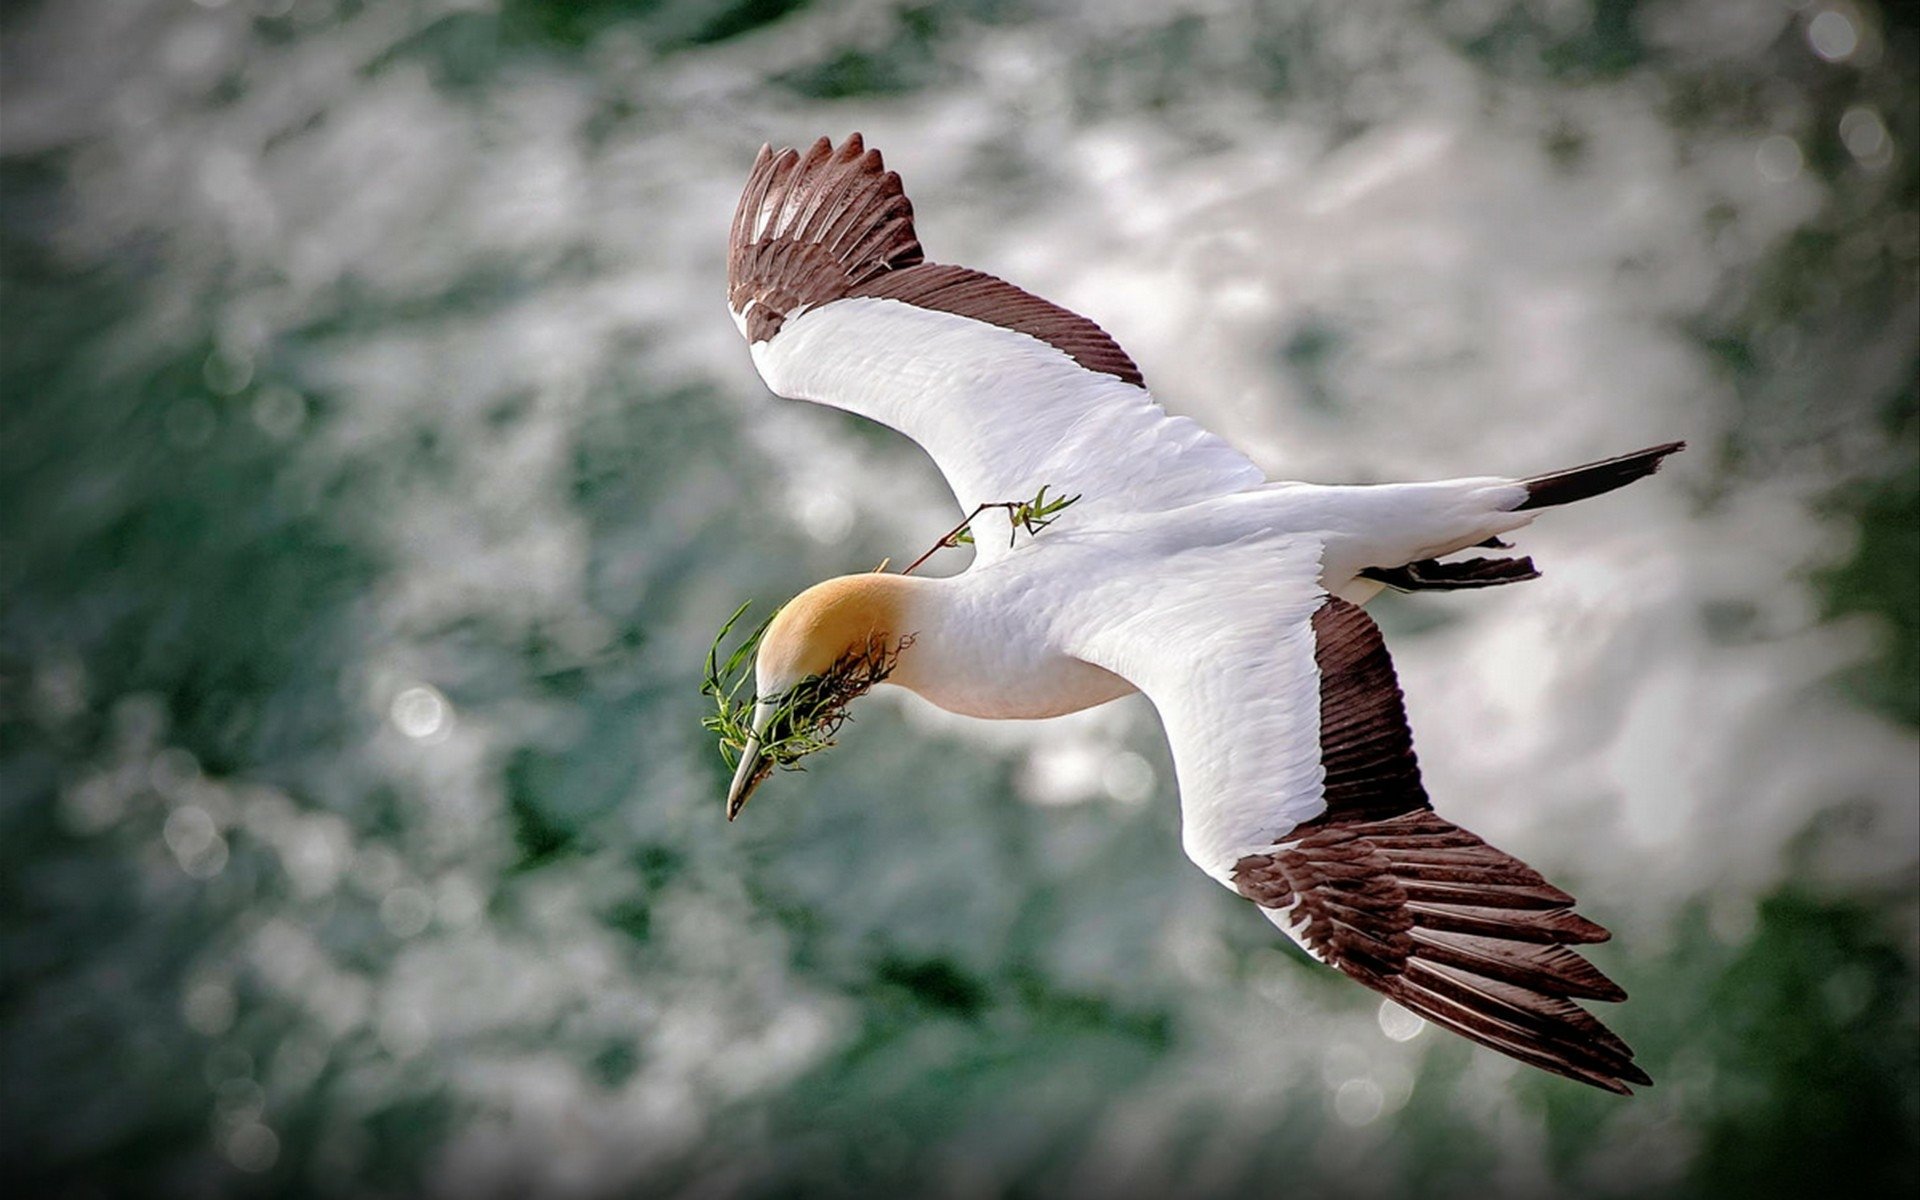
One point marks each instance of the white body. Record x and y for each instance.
(1005, 637)
(1204, 608)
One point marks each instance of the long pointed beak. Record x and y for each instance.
(753, 768)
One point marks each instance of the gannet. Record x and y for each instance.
(1182, 572)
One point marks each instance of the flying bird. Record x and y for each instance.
(1232, 602)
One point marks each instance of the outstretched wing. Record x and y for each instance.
(1299, 789)
(826, 279)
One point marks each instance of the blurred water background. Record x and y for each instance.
(377, 459)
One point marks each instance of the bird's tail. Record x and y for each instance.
(1593, 479)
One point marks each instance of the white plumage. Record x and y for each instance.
(998, 408)
(1182, 572)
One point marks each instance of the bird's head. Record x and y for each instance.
(828, 646)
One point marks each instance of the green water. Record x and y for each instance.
(377, 460)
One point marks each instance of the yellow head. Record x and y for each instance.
(828, 628)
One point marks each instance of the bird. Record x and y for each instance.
(1233, 602)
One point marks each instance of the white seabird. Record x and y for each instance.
(1232, 602)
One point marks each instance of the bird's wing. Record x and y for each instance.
(1006, 391)
(1299, 789)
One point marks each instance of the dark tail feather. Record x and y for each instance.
(1426, 575)
(1583, 483)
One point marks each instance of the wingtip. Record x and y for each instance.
(851, 147)
(1625, 1077)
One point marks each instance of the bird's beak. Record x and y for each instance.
(754, 767)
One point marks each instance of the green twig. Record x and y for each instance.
(1031, 515)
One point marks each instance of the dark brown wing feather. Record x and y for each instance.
(834, 223)
(809, 229)
(1417, 908)
(968, 293)
(1469, 937)
(1365, 744)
